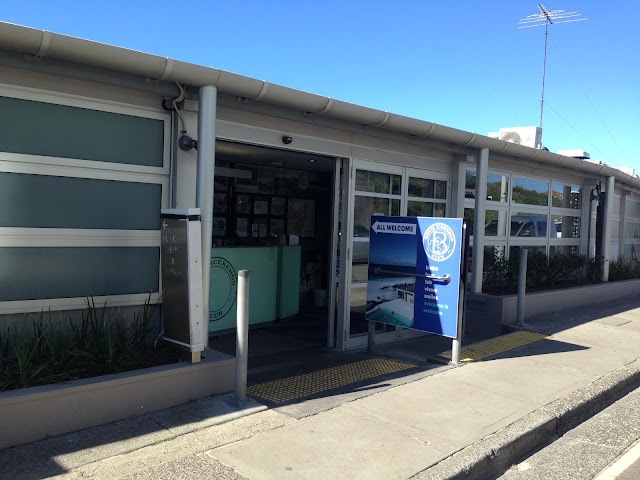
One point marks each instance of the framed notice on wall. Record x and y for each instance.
(260, 207)
(242, 225)
(277, 206)
(243, 204)
(301, 217)
(219, 226)
(277, 227)
(220, 203)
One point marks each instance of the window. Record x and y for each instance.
(495, 223)
(44, 201)
(525, 224)
(84, 221)
(54, 130)
(532, 212)
(377, 182)
(497, 188)
(567, 196)
(530, 192)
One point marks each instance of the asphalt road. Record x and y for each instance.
(627, 467)
(589, 450)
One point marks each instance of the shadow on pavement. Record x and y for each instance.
(38, 459)
(542, 347)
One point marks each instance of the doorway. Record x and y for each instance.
(381, 189)
(274, 216)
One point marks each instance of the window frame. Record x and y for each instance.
(30, 164)
(511, 208)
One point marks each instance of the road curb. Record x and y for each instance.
(496, 453)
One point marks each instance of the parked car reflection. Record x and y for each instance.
(522, 226)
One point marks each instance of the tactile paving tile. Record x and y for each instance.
(487, 348)
(287, 389)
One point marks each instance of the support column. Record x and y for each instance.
(459, 182)
(606, 230)
(623, 215)
(204, 188)
(478, 220)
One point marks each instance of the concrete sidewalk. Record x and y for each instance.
(472, 422)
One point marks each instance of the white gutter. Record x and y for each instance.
(62, 47)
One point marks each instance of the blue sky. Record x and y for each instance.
(462, 64)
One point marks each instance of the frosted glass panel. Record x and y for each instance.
(41, 273)
(40, 201)
(39, 128)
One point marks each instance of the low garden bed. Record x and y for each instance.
(486, 314)
(35, 413)
(44, 351)
(553, 283)
(61, 377)
(557, 271)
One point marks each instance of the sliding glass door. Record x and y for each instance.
(381, 189)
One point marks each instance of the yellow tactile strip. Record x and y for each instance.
(487, 348)
(287, 389)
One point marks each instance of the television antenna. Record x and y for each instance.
(547, 17)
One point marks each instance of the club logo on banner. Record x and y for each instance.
(439, 242)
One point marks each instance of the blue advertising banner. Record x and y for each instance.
(414, 273)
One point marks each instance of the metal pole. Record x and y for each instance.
(477, 259)
(462, 290)
(522, 285)
(242, 336)
(457, 342)
(607, 227)
(371, 336)
(204, 189)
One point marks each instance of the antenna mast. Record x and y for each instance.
(546, 18)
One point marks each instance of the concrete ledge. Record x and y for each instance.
(503, 308)
(496, 453)
(35, 413)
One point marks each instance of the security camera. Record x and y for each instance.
(287, 140)
(186, 143)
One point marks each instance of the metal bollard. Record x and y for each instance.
(371, 336)
(242, 338)
(457, 342)
(522, 285)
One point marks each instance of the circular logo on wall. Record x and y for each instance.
(439, 242)
(223, 283)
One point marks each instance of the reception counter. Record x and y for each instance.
(274, 284)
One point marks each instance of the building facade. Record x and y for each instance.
(95, 140)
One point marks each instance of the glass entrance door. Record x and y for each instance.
(377, 190)
(380, 189)
(426, 194)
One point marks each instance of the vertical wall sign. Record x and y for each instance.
(182, 278)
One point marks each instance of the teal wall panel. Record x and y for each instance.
(289, 281)
(41, 201)
(274, 283)
(39, 128)
(31, 273)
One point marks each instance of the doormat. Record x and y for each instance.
(494, 346)
(299, 386)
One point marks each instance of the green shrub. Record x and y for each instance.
(623, 269)
(101, 343)
(543, 273)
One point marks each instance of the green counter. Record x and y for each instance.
(274, 284)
